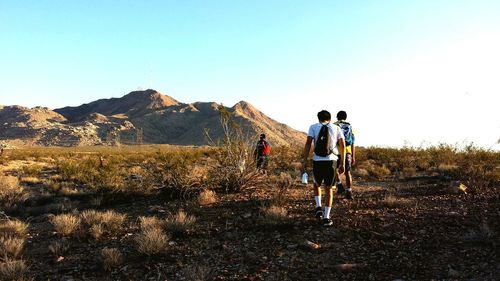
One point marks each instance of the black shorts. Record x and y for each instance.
(348, 162)
(324, 172)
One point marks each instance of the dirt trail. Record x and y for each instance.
(410, 230)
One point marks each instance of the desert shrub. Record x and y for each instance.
(275, 215)
(58, 248)
(93, 172)
(234, 167)
(100, 223)
(13, 270)
(13, 228)
(180, 222)
(151, 222)
(479, 168)
(152, 241)
(285, 159)
(111, 258)
(11, 194)
(283, 182)
(175, 172)
(11, 247)
(207, 197)
(66, 224)
(33, 170)
(374, 170)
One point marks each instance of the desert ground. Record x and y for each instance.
(205, 213)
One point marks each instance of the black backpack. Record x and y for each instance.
(322, 145)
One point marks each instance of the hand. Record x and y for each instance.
(353, 161)
(341, 169)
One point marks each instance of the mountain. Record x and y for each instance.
(138, 117)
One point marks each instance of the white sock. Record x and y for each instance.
(348, 189)
(317, 199)
(339, 183)
(326, 214)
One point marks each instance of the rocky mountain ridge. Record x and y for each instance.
(140, 117)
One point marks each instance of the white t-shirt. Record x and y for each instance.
(335, 135)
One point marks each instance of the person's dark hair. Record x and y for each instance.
(341, 115)
(262, 136)
(324, 115)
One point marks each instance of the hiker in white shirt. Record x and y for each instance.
(326, 137)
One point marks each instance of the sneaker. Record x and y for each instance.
(340, 188)
(327, 222)
(348, 194)
(318, 212)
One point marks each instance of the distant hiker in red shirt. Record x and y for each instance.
(262, 152)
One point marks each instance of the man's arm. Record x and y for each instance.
(341, 143)
(305, 154)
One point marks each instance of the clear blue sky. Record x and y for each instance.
(415, 71)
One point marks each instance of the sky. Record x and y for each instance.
(407, 72)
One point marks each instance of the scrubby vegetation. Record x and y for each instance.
(131, 213)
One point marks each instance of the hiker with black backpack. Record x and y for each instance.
(350, 155)
(326, 137)
(262, 152)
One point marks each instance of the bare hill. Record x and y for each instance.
(140, 116)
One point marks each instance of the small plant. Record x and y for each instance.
(180, 222)
(13, 270)
(275, 215)
(58, 248)
(207, 197)
(197, 272)
(152, 241)
(11, 247)
(113, 221)
(11, 194)
(151, 222)
(391, 201)
(96, 231)
(13, 228)
(111, 258)
(101, 222)
(66, 224)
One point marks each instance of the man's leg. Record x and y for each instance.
(318, 179)
(337, 181)
(329, 180)
(348, 176)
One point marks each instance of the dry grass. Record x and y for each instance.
(11, 247)
(391, 201)
(96, 231)
(13, 228)
(13, 270)
(207, 197)
(58, 248)
(275, 215)
(111, 258)
(197, 272)
(151, 222)
(31, 180)
(66, 224)
(101, 222)
(11, 194)
(152, 241)
(180, 222)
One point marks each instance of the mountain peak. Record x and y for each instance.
(150, 99)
